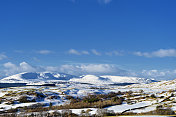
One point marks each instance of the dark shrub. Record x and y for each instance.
(153, 96)
(23, 99)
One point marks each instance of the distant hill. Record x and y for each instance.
(28, 77)
(37, 77)
(110, 79)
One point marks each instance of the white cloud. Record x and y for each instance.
(80, 69)
(44, 52)
(10, 65)
(95, 52)
(76, 52)
(83, 69)
(26, 67)
(157, 74)
(158, 53)
(100, 68)
(2, 56)
(73, 51)
(10, 68)
(153, 73)
(96, 69)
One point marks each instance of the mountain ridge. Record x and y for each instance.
(29, 77)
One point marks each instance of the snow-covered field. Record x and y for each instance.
(138, 98)
(57, 96)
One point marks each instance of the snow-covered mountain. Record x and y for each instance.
(43, 77)
(92, 79)
(110, 79)
(28, 77)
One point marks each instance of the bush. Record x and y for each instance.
(105, 112)
(56, 114)
(23, 99)
(68, 97)
(12, 110)
(160, 111)
(66, 113)
(40, 95)
(167, 111)
(90, 99)
(153, 96)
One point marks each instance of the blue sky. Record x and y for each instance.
(136, 36)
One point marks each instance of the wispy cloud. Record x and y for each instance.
(96, 69)
(85, 52)
(95, 52)
(116, 53)
(104, 1)
(35, 59)
(76, 52)
(18, 51)
(2, 56)
(44, 52)
(99, 1)
(158, 53)
(73, 51)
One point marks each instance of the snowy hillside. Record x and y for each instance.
(35, 77)
(92, 79)
(110, 79)
(165, 85)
